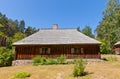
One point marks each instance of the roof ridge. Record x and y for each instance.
(58, 29)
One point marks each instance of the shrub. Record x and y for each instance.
(79, 68)
(61, 59)
(71, 62)
(21, 75)
(104, 47)
(42, 60)
(39, 60)
(36, 60)
(6, 57)
(51, 61)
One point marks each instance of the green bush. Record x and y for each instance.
(61, 59)
(21, 75)
(51, 61)
(104, 47)
(39, 60)
(71, 62)
(42, 60)
(79, 68)
(6, 57)
(36, 60)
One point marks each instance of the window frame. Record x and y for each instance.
(76, 50)
(45, 50)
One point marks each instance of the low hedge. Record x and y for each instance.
(43, 61)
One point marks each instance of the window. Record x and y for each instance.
(72, 50)
(44, 50)
(77, 50)
(82, 50)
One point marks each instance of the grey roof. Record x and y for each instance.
(59, 36)
(118, 43)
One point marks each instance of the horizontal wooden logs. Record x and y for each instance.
(30, 51)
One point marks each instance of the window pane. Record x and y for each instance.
(48, 50)
(82, 50)
(72, 50)
(77, 50)
(44, 50)
(40, 50)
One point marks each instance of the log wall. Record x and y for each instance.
(30, 51)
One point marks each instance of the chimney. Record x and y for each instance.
(55, 26)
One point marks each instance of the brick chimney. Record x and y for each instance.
(55, 26)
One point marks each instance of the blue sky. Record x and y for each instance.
(44, 13)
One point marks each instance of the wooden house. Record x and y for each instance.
(55, 42)
(116, 47)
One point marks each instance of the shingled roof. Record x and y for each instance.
(58, 36)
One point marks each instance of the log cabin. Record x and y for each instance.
(116, 47)
(54, 42)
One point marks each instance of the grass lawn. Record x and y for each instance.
(96, 70)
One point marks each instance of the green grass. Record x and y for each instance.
(96, 70)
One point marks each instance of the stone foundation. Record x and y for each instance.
(21, 62)
(30, 62)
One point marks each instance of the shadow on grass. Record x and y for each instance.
(83, 75)
(110, 58)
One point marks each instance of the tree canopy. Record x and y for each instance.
(109, 28)
(14, 29)
(87, 31)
